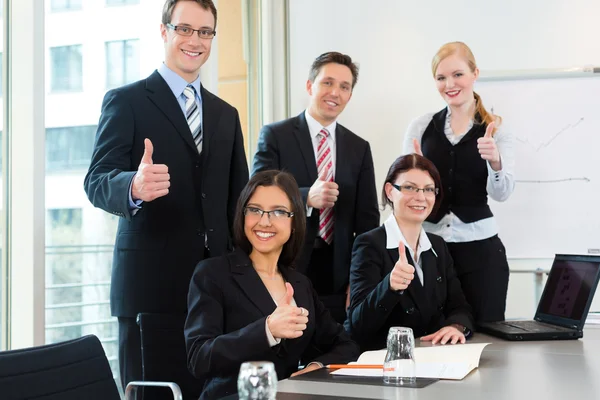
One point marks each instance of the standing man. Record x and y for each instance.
(169, 160)
(334, 169)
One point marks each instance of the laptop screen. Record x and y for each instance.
(569, 290)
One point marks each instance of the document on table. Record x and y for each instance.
(442, 361)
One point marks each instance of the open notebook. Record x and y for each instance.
(441, 361)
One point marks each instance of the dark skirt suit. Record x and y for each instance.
(375, 307)
(225, 326)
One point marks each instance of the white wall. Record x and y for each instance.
(394, 41)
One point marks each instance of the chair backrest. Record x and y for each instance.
(164, 356)
(72, 370)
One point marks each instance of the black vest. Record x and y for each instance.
(464, 173)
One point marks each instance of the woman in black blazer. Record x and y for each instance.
(385, 288)
(251, 305)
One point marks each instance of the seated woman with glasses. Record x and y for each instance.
(251, 305)
(402, 276)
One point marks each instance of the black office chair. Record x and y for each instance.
(164, 356)
(72, 370)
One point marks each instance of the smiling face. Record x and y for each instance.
(268, 234)
(455, 79)
(330, 92)
(185, 55)
(411, 207)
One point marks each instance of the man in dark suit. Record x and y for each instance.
(169, 160)
(334, 169)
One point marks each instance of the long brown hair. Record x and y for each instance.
(465, 52)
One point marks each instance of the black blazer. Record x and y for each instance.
(228, 308)
(287, 146)
(374, 307)
(157, 249)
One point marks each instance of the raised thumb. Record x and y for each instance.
(289, 294)
(148, 150)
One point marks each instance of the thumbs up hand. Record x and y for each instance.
(151, 180)
(417, 147)
(488, 149)
(323, 193)
(403, 273)
(287, 321)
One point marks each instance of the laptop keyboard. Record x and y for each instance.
(535, 326)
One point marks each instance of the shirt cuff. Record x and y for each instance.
(309, 211)
(272, 341)
(496, 177)
(315, 362)
(133, 205)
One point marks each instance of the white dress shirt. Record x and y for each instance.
(394, 237)
(314, 127)
(500, 184)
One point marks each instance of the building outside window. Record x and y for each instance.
(122, 62)
(67, 68)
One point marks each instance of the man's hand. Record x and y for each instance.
(151, 180)
(323, 193)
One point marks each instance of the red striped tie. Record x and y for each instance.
(324, 160)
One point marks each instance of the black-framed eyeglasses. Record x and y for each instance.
(187, 31)
(276, 214)
(413, 190)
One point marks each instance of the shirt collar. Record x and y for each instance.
(394, 236)
(448, 128)
(314, 127)
(176, 83)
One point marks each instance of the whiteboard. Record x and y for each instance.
(555, 207)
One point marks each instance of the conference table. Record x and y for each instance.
(550, 370)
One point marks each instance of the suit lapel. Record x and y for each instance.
(211, 114)
(162, 96)
(302, 135)
(250, 283)
(342, 174)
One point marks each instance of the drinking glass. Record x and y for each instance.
(257, 380)
(399, 366)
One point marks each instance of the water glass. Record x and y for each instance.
(399, 366)
(257, 381)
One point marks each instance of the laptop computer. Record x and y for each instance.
(564, 305)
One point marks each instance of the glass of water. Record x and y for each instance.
(257, 381)
(399, 366)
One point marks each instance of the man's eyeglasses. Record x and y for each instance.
(187, 31)
(413, 190)
(276, 214)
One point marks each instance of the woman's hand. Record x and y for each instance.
(447, 333)
(287, 321)
(403, 273)
(310, 367)
(488, 149)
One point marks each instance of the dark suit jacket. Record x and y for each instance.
(287, 146)
(157, 249)
(228, 308)
(374, 307)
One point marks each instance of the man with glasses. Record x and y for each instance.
(169, 160)
(334, 170)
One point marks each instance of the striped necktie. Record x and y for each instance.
(324, 160)
(192, 115)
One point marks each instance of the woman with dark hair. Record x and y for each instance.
(251, 305)
(476, 158)
(402, 276)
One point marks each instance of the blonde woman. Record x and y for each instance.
(475, 158)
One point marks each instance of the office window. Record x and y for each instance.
(121, 2)
(69, 147)
(122, 62)
(64, 266)
(1, 79)
(65, 5)
(67, 68)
